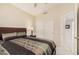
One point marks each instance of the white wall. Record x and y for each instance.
(11, 16)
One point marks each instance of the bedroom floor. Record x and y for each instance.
(63, 51)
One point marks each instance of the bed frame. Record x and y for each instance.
(11, 29)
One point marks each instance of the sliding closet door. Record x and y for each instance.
(48, 29)
(44, 27)
(39, 28)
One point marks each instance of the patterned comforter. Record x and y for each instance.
(28, 46)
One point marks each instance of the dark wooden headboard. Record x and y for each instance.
(11, 29)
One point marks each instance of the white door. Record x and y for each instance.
(48, 29)
(44, 27)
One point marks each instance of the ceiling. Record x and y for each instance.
(35, 8)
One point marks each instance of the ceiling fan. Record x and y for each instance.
(36, 4)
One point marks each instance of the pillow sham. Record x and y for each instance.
(20, 34)
(6, 35)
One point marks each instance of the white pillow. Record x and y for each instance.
(6, 35)
(20, 33)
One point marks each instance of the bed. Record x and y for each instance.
(14, 41)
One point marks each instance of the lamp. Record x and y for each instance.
(31, 30)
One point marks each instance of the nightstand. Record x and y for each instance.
(32, 35)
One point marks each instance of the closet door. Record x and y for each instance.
(44, 27)
(39, 28)
(48, 29)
